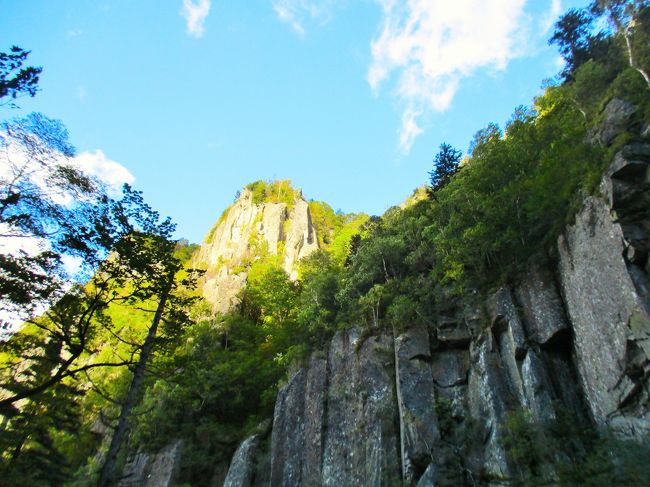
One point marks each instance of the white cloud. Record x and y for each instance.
(112, 173)
(297, 13)
(431, 45)
(195, 15)
(552, 15)
(15, 164)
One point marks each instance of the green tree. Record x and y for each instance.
(16, 80)
(624, 16)
(573, 37)
(128, 251)
(40, 190)
(114, 241)
(445, 167)
(163, 285)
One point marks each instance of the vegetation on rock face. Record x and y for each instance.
(212, 378)
(564, 451)
(273, 192)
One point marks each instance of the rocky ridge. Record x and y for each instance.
(247, 230)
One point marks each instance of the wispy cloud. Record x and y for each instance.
(195, 14)
(296, 13)
(430, 46)
(81, 93)
(111, 173)
(547, 22)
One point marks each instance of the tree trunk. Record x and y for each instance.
(625, 31)
(631, 59)
(106, 474)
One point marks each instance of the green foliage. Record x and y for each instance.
(270, 295)
(568, 452)
(326, 221)
(212, 382)
(222, 381)
(388, 273)
(32, 189)
(445, 165)
(16, 80)
(273, 192)
(514, 195)
(341, 241)
(319, 282)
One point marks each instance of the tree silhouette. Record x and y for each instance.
(445, 166)
(16, 80)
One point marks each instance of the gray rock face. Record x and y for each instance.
(538, 387)
(159, 470)
(602, 303)
(300, 240)
(616, 116)
(297, 436)
(490, 399)
(288, 436)
(243, 230)
(428, 478)
(604, 274)
(430, 407)
(361, 441)
(450, 367)
(315, 396)
(242, 467)
(419, 434)
(504, 317)
(541, 304)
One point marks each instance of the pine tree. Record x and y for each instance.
(445, 166)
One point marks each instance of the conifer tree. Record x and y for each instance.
(445, 166)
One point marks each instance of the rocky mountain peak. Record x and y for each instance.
(267, 218)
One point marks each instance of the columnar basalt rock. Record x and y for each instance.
(606, 303)
(430, 405)
(361, 441)
(298, 425)
(246, 230)
(419, 434)
(241, 471)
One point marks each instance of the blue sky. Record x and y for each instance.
(350, 99)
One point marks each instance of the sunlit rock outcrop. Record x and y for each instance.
(248, 230)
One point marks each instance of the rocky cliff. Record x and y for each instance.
(430, 405)
(247, 230)
(567, 343)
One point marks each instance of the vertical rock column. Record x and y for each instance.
(242, 467)
(296, 442)
(361, 441)
(604, 309)
(419, 434)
